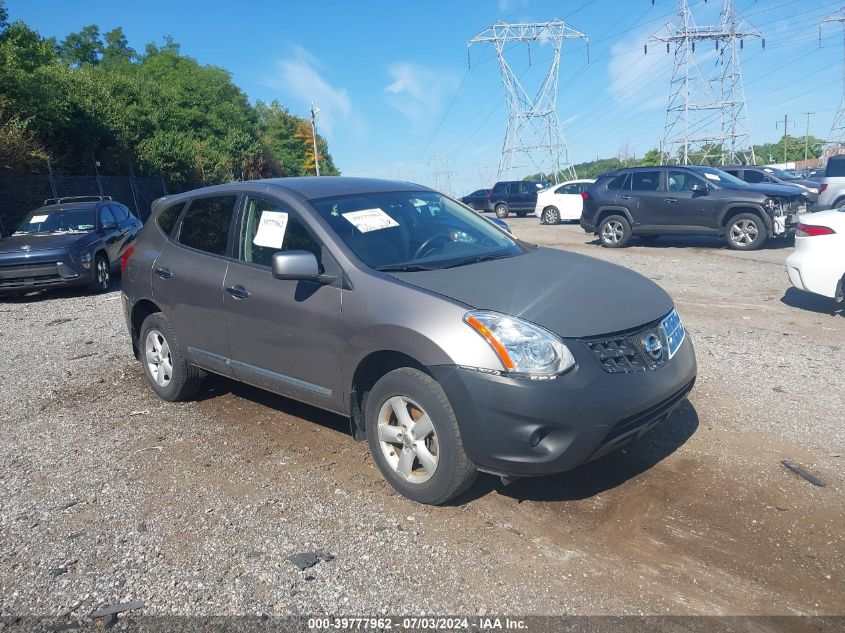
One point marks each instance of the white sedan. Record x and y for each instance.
(818, 263)
(561, 202)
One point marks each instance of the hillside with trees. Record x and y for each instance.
(92, 97)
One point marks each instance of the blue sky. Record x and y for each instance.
(397, 96)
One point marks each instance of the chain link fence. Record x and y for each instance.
(21, 194)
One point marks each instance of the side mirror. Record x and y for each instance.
(698, 188)
(108, 226)
(295, 265)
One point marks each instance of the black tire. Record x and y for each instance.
(840, 202)
(453, 472)
(521, 214)
(550, 215)
(501, 211)
(614, 231)
(184, 380)
(745, 232)
(102, 274)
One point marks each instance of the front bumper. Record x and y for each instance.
(36, 273)
(522, 427)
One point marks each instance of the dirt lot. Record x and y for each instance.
(109, 495)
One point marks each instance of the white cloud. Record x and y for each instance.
(300, 77)
(417, 91)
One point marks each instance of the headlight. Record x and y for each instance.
(84, 259)
(523, 348)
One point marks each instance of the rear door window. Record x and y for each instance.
(120, 214)
(749, 175)
(620, 182)
(206, 224)
(166, 220)
(513, 188)
(645, 180)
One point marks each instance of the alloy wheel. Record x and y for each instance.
(612, 232)
(407, 439)
(552, 215)
(744, 232)
(159, 360)
(103, 273)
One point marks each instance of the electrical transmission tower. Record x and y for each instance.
(533, 131)
(442, 168)
(707, 117)
(836, 137)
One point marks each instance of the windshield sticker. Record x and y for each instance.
(85, 227)
(712, 177)
(370, 220)
(38, 219)
(271, 229)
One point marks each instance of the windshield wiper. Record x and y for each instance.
(476, 260)
(402, 268)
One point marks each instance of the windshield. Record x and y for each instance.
(779, 173)
(76, 220)
(413, 230)
(720, 177)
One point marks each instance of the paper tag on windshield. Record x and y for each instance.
(271, 229)
(38, 219)
(370, 220)
(712, 177)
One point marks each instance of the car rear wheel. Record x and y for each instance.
(102, 274)
(501, 211)
(414, 438)
(614, 231)
(169, 374)
(745, 232)
(551, 215)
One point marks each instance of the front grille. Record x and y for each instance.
(632, 425)
(22, 274)
(625, 353)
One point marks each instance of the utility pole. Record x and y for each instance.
(807, 138)
(534, 129)
(314, 112)
(836, 136)
(442, 169)
(707, 116)
(785, 124)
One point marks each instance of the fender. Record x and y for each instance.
(753, 206)
(614, 210)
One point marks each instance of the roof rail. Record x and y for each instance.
(49, 201)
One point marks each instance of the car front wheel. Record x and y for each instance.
(746, 232)
(551, 215)
(414, 438)
(102, 274)
(614, 231)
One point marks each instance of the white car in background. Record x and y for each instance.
(561, 202)
(818, 263)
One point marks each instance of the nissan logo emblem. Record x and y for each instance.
(653, 346)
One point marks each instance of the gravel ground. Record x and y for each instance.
(109, 495)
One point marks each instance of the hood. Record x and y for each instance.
(774, 189)
(803, 183)
(572, 295)
(16, 243)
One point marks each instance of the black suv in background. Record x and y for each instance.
(755, 174)
(478, 200)
(688, 200)
(517, 196)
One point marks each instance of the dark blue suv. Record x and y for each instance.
(517, 196)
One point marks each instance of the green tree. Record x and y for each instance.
(116, 50)
(651, 158)
(84, 47)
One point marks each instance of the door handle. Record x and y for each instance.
(164, 273)
(624, 197)
(238, 292)
(670, 200)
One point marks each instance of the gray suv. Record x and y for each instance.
(451, 346)
(832, 185)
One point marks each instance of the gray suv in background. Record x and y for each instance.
(451, 346)
(832, 185)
